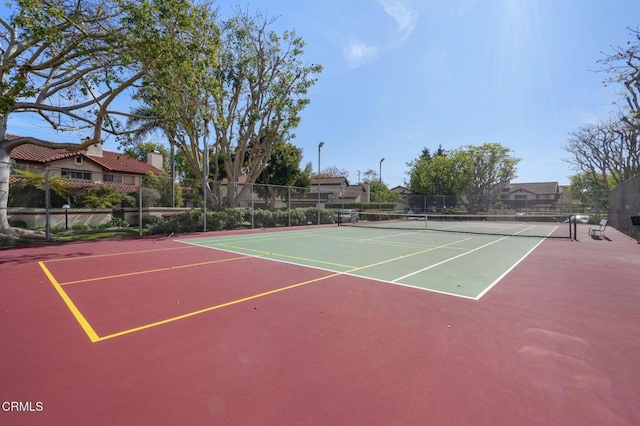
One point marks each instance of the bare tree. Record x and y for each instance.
(595, 151)
(623, 69)
(334, 171)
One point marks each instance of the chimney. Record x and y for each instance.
(94, 150)
(155, 159)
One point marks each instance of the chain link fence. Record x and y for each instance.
(624, 207)
(69, 199)
(63, 199)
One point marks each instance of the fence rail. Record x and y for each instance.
(61, 199)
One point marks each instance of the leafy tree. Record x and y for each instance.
(105, 198)
(443, 176)
(586, 190)
(380, 193)
(282, 170)
(264, 84)
(488, 168)
(162, 184)
(250, 96)
(67, 61)
(378, 190)
(29, 190)
(140, 151)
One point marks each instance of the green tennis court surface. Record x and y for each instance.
(458, 264)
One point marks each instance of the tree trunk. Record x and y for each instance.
(273, 197)
(5, 171)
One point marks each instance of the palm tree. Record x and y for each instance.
(147, 121)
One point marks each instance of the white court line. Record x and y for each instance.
(448, 260)
(483, 292)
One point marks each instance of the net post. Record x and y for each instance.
(570, 231)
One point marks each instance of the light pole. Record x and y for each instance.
(66, 208)
(380, 193)
(320, 145)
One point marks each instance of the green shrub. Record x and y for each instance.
(149, 221)
(115, 222)
(236, 218)
(18, 224)
(183, 223)
(80, 226)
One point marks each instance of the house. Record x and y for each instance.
(357, 193)
(405, 195)
(337, 189)
(88, 168)
(541, 196)
(84, 170)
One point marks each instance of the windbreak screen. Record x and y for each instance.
(521, 225)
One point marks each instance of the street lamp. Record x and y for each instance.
(319, 146)
(66, 208)
(381, 170)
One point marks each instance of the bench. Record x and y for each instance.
(598, 229)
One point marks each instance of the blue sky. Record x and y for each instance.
(401, 75)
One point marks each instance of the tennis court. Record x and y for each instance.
(324, 325)
(454, 263)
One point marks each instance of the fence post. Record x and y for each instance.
(47, 204)
(140, 205)
(251, 193)
(289, 204)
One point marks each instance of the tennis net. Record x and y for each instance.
(521, 225)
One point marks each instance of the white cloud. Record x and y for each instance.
(404, 17)
(358, 53)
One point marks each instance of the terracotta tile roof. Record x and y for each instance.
(81, 186)
(118, 162)
(111, 161)
(40, 154)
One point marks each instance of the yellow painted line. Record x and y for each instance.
(150, 271)
(93, 336)
(93, 256)
(212, 308)
(267, 293)
(286, 256)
